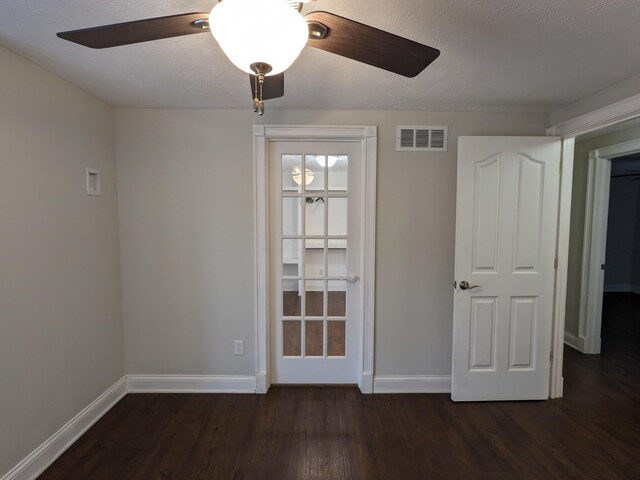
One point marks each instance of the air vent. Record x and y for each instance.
(421, 139)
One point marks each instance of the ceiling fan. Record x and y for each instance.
(264, 37)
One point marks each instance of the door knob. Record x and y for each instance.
(464, 285)
(353, 278)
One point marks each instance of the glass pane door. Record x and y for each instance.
(314, 201)
(314, 227)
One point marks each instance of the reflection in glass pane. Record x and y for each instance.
(291, 216)
(337, 216)
(313, 339)
(337, 258)
(291, 342)
(337, 243)
(315, 215)
(291, 167)
(314, 297)
(313, 163)
(338, 171)
(336, 338)
(291, 299)
(291, 257)
(314, 258)
(337, 298)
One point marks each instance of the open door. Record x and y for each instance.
(506, 223)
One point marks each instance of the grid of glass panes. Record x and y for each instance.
(314, 255)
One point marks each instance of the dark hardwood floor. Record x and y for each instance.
(336, 433)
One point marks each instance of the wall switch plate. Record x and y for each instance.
(238, 347)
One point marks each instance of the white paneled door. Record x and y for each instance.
(315, 262)
(506, 222)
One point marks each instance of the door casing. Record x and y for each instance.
(366, 135)
(615, 113)
(594, 243)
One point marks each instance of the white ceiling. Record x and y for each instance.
(497, 55)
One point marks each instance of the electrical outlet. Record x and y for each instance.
(238, 347)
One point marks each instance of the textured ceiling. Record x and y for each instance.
(497, 55)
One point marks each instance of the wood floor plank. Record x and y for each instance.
(315, 433)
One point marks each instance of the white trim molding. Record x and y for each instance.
(37, 461)
(595, 242)
(562, 268)
(412, 384)
(621, 111)
(573, 341)
(262, 135)
(191, 383)
(618, 150)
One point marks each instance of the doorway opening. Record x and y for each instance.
(273, 296)
(608, 242)
(620, 316)
(603, 290)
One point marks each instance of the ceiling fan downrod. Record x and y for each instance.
(260, 69)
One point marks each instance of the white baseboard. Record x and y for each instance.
(191, 383)
(617, 287)
(366, 383)
(571, 340)
(574, 341)
(412, 384)
(43, 456)
(262, 383)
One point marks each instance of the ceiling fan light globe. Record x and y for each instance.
(259, 31)
(331, 160)
(296, 174)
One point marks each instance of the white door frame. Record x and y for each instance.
(618, 112)
(595, 242)
(367, 135)
(562, 268)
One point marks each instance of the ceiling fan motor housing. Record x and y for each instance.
(259, 31)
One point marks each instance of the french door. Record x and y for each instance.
(315, 264)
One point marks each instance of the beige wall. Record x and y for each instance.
(61, 340)
(578, 200)
(185, 204)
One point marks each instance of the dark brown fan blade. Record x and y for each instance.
(273, 86)
(139, 31)
(369, 45)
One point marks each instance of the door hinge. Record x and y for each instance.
(551, 356)
(555, 263)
